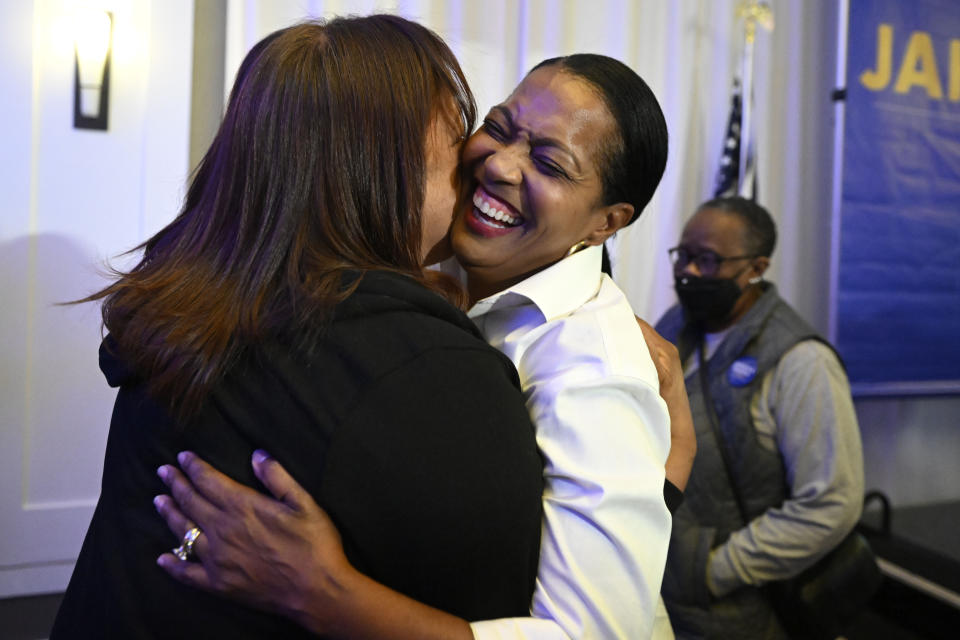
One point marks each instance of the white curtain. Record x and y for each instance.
(687, 51)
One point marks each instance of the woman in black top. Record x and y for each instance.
(287, 308)
(575, 152)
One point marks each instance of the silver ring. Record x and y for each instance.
(185, 550)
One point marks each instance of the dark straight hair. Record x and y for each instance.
(632, 163)
(316, 174)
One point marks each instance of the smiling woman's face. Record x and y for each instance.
(535, 184)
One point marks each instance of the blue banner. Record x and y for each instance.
(898, 276)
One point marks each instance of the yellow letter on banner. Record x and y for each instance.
(877, 79)
(919, 49)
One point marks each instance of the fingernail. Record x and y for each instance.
(260, 456)
(158, 502)
(163, 472)
(182, 457)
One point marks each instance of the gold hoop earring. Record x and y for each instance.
(577, 247)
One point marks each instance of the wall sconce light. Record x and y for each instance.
(91, 89)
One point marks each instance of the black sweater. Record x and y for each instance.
(402, 423)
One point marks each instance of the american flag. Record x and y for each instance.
(729, 181)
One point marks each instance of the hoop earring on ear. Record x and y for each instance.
(576, 247)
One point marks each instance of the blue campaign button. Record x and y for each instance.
(742, 371)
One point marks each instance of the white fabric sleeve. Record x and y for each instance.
(808, 397)
(606, 525)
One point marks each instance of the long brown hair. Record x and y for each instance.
(317, 170)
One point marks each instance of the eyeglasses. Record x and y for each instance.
(707, 261)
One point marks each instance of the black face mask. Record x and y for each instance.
(707, 300)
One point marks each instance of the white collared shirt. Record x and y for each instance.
(593, 395)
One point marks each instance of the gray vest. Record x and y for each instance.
(710, 512)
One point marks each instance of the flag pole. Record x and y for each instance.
(843, 22)
(753, 12)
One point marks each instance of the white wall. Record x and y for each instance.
(71, 200)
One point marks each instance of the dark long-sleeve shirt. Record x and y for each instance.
(402, 423)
